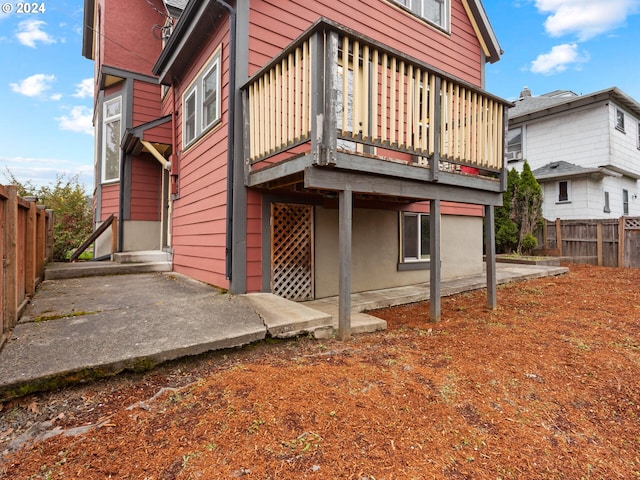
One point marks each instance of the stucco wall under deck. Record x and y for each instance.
(376, 250)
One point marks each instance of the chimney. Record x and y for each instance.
(525, 92)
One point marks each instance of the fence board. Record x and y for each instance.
(593, 241)
(26, 231)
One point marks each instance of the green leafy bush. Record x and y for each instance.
(71, 208)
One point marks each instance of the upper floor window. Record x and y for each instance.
(563, 190)
(638, 135)
(111, 134)
(514, 144)
(434, 11)
(619, 119)
(201, 102)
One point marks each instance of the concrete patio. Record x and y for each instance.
(78, 329)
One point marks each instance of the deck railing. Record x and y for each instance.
(25, 246)
(392, 102)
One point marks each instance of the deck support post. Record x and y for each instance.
(490, 255)
(345, 198)
(434, 260)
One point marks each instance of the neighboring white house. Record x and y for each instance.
(584, 150)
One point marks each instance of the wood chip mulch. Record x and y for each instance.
(547, 386)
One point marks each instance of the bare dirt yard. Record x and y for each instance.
(545, 387)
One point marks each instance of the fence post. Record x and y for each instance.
(559, 235)
(599, 242)
(50, 223)
(30, 250)
(621, 242)
(41, 247)
(10, 290)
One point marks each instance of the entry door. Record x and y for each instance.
(292, 251)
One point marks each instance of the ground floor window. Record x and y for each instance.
(415, 237)
(625, 202)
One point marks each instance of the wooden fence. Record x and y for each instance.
(26, 244)
(595, 242)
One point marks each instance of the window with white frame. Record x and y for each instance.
(563, 191)
(201, 102)
(111, 134)
(607, 206)
(514, 144)
(434, 11)
(415, 237)
(625, 202)
(619, 119)
(639, 135)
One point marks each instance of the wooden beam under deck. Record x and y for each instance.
(336, 180)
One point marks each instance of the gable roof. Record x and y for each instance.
(483, 29)
(529, 108)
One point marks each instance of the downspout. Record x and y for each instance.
(121, 204)
(230, 137)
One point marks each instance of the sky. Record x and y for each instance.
(46, 84)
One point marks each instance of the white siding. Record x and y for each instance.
(580, 137)
(587, 199)
(624, 145)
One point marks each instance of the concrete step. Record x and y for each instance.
(285, 318)
(360, 322)
(58, 271)
(146, 256)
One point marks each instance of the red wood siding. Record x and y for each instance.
(159, 134)
(109, 201)
(254, 242)
(130, 43)
(199, 214)
(146, 102)
(146, 188)
(275, 23)
(448, 208)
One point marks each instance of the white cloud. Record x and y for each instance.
(585, 18)
(33, 86)
(30, 32)
(84, 88)
(44, 171)
(559, 59)
(79, 119)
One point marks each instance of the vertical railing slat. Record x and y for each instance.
(393, 127)
(384, 135)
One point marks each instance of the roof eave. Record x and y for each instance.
(486, 30)
(614, 94)
(183, 42)
(88, 29)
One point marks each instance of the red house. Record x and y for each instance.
(305, 148)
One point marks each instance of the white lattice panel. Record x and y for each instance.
(292, 251)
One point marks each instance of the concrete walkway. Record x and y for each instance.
(78, 329)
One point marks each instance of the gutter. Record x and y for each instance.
(230, 139)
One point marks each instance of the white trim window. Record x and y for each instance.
(415, 237)
(111, 135)
(563, 191)
(514, 144)
(619, 119)
(201, 102)
(433, 11)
